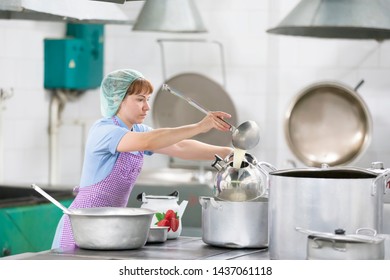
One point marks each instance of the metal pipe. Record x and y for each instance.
(1, 138)
(4, 94)
(178, 40)
(57, 105)
(54, 119)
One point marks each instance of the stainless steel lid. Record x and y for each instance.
(328, 172)
(339, 235)
(328, 122)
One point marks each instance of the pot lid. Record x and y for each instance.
(327, 172)
(328, 122)
(171, 111)
(339, 235)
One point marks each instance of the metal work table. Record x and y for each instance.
(183, 248)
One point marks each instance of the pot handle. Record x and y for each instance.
(175, 193)
(216, 163)
(366, 231)
(202, 201)
(140, 196)
(266, 168)
(386, 185)
(215, 204)
(318, 244)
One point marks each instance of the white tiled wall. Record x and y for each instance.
(264, 72)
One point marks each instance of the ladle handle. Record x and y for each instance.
(46, 195)
(194, 104)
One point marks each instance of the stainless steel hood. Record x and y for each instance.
(64, 10)
(176, 16)
(350, 19)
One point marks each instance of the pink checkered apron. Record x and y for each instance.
(113, 191)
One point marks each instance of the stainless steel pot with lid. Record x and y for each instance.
(314, 198)
(365, 244)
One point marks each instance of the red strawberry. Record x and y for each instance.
(174, 223)
(170, 215)
(163, 223)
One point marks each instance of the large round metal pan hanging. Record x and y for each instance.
(170, 111)
(327, 122)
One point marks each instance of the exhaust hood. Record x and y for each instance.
(349, 19)
(82, 11)
(177, 16)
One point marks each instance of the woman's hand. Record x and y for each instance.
(215, 120)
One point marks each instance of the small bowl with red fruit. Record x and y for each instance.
(166, 222)
(169, 219)
(158, 234)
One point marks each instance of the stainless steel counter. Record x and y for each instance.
(183, 248)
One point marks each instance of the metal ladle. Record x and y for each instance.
(52, 199)
(246, 136)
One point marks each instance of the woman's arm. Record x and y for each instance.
(164, 137)
(195, 150)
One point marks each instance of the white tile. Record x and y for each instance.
(264, 73)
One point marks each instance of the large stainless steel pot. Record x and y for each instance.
(365, 244)
(235, 224)
(321, 199)
(110, 228)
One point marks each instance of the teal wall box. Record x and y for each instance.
(75, 62)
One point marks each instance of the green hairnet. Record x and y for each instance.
(113, 89)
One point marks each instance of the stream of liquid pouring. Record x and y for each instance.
(238, 194)
(238, 157)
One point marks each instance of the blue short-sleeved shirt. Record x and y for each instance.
(100, 150)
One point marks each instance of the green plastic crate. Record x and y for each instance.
(28, 228)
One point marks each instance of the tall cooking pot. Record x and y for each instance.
(321, 199)
(235, 224)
